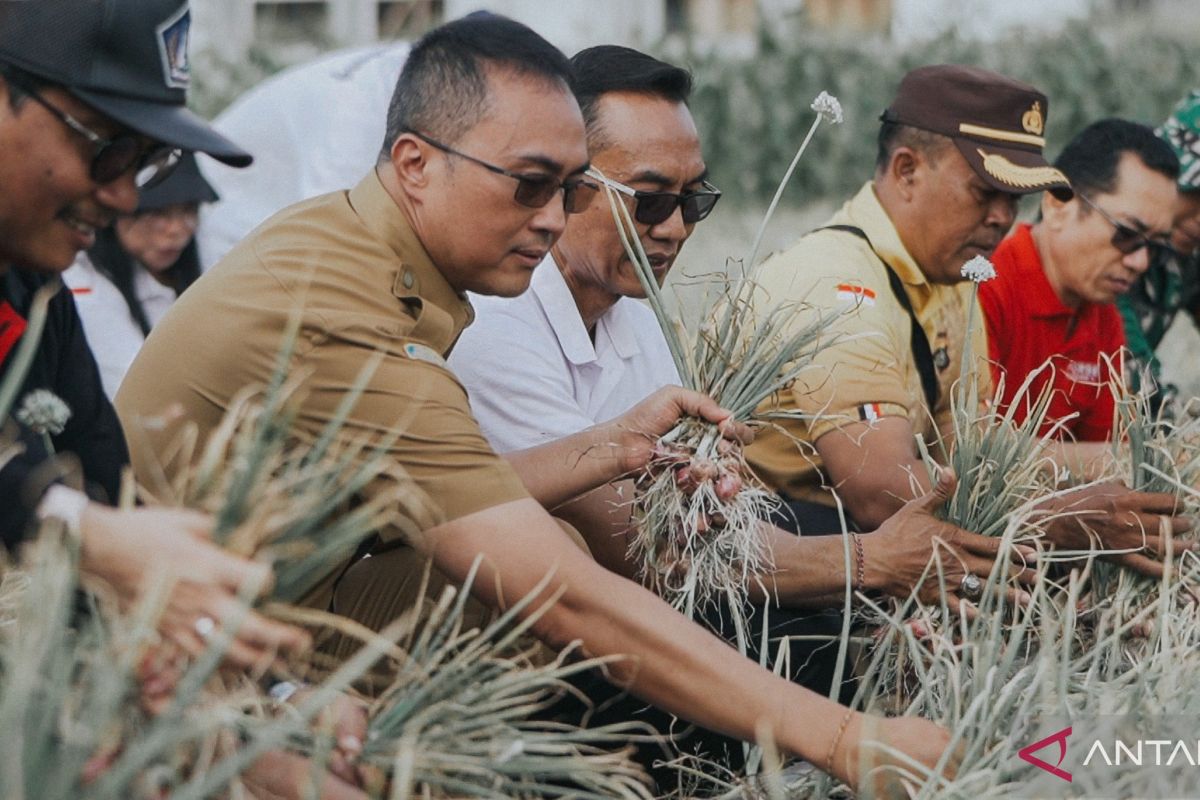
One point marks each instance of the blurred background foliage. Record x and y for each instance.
(752, 114)
(753, 111)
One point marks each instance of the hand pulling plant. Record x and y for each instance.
(698, 511)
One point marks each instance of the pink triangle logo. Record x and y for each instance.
(1027, 754)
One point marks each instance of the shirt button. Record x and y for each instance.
(407, 279)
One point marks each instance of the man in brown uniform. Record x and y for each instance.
(485, 155)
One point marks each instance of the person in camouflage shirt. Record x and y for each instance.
(1171, 284)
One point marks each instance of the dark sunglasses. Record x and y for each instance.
(653, 208)
(533, 190)
(1128, 240)
(112, 158)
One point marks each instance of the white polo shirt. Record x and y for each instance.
(534, 375)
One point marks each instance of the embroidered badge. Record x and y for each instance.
(941, 358)
(173, 48)
(420, 352)
(1032, 120)
(870, 412)
(858, 295)
(1083, 371)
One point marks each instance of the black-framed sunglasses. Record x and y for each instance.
(534, 190)
(1129, 240)
(652, 208)
(111, 158)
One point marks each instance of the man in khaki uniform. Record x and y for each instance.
(485, 155)
(957, 147)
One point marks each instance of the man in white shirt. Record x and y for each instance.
(314, 128)
(578, 348)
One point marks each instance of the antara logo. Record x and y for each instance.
(1027, 754)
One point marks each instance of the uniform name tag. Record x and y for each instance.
(12, 325)
(420, 352)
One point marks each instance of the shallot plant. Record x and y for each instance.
(698, 510)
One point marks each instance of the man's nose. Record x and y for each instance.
(119, 195)
(1002, 211)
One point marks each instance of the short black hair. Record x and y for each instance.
(894, 135)
(442, 91)
(596, 71)
(1090, 159)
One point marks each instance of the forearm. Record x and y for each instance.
(562, 470)
(673, 664)
(810, 571)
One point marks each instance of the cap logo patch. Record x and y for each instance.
(1020, 177)
(1032, 120)
(173, 48)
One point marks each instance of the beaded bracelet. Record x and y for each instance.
(859, 561)
(837, 738)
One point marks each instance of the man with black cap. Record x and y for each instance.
(957, 147)
(91, 109)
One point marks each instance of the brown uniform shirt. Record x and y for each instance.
(868, 371)
(365, 284)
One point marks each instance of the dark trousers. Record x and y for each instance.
(809, 519)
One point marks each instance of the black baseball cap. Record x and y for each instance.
(185, 184)
(127, 59)
(996, 122)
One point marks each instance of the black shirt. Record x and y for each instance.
(64, 365)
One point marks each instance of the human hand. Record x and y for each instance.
(280, 775)
(1111, 516)
(639, 428)
(874, 754)
(897, 555)
(132, 550)
(345, 719)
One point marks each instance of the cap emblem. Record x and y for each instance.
(1019, 177)
(173, 48)
(1032, 120)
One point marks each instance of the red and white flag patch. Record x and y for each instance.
(858, 295)
(870, 412)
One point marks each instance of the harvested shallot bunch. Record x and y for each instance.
(698, 510)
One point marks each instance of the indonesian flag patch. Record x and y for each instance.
(870, 412)
(858, 295)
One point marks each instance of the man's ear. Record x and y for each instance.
(408, 162)
(902, 168)
(1055, 212)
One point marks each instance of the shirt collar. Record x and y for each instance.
(415, 279)
(616, 325)
(1043, 300)
(551, 290)
(867, 213)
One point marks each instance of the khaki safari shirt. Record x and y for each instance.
(866, 369)
(365, 285)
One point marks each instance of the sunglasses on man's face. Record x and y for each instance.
(653, 208)
(112, 158)
(533, 190)
(1129, 240)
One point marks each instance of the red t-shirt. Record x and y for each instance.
(1027, 324)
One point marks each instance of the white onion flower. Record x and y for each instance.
(828, 107)
(978, 269)
(44, 412)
